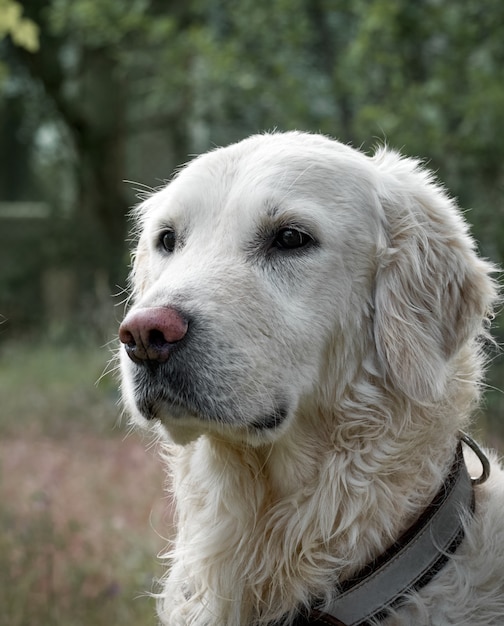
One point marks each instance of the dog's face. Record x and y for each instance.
(255, 288)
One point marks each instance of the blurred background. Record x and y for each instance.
(99, 101)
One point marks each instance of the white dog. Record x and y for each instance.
(306, 330)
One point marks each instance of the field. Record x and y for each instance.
(82, 510)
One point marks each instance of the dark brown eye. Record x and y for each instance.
(291, 238)
(167, 240)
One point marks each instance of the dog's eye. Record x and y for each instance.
(291, 238)
(167, 240)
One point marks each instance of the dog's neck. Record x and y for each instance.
(361, 492)
(280, 524)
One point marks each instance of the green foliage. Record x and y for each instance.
(135, 88)
(96, 24)
(24, 32)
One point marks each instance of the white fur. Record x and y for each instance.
(371, 339)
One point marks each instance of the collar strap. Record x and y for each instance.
(412, 561)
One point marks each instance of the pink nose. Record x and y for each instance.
(151, 334)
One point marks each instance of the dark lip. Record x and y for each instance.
(272, 421)
(157, 408)
(169, 408)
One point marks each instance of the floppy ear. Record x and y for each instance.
(432, 292)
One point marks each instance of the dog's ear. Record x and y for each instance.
(432, 292)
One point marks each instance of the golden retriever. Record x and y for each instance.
(306, 336)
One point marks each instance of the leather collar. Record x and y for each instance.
(419, 554)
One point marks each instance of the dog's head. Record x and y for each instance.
(285, 260)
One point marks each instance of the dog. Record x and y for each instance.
(307, 336)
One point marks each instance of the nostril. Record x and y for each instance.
(157, 339)
(126, 337)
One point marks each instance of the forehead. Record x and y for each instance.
(263, 176)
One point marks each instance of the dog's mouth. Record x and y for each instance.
(168, 410)
(157, 400)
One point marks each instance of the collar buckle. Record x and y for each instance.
(485, 463)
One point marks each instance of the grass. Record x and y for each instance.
(55, 390)
(81, 504)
